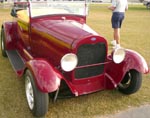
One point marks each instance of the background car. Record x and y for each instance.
(96, 0)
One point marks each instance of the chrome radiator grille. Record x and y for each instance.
(90, 54)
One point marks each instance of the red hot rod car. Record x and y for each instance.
(53, 47)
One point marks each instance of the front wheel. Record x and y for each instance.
(131, 83)
(3, 49)
(37, 101)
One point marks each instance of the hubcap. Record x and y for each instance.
(127, 83)
(29, 92)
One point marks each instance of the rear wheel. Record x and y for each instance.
(131, 82)
(37, 101)
(3, 49)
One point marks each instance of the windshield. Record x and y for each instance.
(58, 7)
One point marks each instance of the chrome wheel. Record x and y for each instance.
(37, 100)
(29, 92)
(126, 81)
(3, 43)
(131, 83)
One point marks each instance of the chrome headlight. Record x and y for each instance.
(69, 62)
(119, 55)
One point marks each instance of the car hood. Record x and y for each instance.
(67, 30)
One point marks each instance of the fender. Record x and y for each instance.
(133, 60)
(47, 78)
(10, 29)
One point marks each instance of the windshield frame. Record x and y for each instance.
(58, 7)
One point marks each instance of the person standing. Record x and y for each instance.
(118, 8)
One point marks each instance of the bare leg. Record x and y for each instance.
(117, 35)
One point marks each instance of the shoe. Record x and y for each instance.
(113, 43)
(116, 46)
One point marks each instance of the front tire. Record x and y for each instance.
(131, 83)
(37, 101)
(3, 48)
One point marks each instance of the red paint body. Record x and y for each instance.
(44, 40)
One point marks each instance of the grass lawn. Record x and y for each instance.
(135, 34)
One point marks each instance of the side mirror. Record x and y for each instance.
(13, 12)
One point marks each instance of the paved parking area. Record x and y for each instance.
(138, 112)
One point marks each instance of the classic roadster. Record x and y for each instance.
(60, 55)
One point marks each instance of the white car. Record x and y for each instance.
(96, 0)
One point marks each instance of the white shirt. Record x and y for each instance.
(120, 5)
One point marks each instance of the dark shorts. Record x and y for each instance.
(117, 19)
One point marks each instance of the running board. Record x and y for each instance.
(16, 60)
